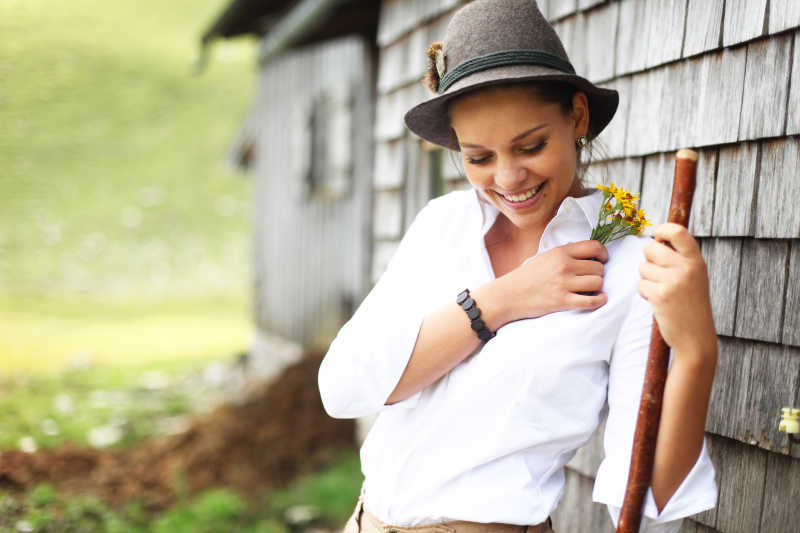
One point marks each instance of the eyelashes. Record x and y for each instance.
(527, 151)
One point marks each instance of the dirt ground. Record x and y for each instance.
(279, 432)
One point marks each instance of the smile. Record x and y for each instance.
(522, 199)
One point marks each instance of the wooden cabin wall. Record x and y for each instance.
(311, 254)
(723, 77)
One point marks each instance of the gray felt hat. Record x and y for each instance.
(492, 42)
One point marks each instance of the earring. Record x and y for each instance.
(580, 142)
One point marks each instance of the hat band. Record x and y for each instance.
(503, 58)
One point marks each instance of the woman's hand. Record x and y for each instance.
(675, 282)
(553, 280)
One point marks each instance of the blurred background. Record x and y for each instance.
(129, 396)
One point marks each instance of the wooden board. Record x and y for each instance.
(778, 213)
(764, 99)
(744, 20)
(703, 26)
(598, 43)
(613, 136)
(735, 190)
(719, 86)
(633, 32)
(388, 215)
(739, 507)
(791, 321)
(783, 15)
(659, 170)
(793, 107)
(703, 203)
(389, 165)
(722, 258)
(561, 8)
(664, 46)
(762, 283)
(772, 384)
(729, 392)
(781, 494)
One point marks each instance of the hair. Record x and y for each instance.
(552, 92)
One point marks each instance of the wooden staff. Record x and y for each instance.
(655, 377)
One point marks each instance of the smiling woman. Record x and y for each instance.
(499, 331)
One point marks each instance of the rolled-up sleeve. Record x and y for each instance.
(365, 361)
(698, 491)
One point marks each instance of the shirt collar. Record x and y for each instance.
(588, 209)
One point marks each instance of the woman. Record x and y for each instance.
(498, 332)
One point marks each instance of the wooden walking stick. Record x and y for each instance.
(655, 377)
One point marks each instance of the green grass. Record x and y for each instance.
(122, 233)
(112, 180)
(329, 495)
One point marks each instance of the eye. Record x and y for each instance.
(533, 149)
(478, 160)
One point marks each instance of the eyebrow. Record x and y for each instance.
(515, 139)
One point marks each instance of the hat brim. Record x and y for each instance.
(430, 119)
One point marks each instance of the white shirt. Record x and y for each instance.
(488, 441)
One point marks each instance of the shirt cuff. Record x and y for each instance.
(697, 493)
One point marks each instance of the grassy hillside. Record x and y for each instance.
(114, 201)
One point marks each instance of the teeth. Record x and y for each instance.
(522, 197)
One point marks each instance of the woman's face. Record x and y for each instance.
(519, 152)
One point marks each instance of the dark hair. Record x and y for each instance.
(551, 92)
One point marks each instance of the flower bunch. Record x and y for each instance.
(619, 215)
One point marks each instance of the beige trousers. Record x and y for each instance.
(363, 521)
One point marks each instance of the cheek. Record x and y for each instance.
(479, 178)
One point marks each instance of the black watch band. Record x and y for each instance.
(474, 314)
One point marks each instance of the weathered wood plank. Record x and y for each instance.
(772, 384)
(632, 36)
(734, 200)
(625, 173)
(600, 34)
(744, 20)
(791, 321)
(688, 526)
(716, 447)
(586, 4)
(778, 214)
(399, 16)
(645, 119)
(722, 258)
(388, 215)
(576, 513)
(719, 85)
(571, 32)
(558, 9)
(793, 108)
(588, 458)
(416, 57)
(678, 104)
(703, 26)
(783, 14)
(781, 494)
(764, 99)
(728, 401)
(762, 282)
(657, 186)
(664, 46)
(391, 66)
(739, 507)
(703, 203)
(389, 165)
(613, 136)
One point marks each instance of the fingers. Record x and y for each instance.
(585, 283)
(653, 272)
(678, 236)
(660, 254)
(587, 267)
(589, 249)
(587, 301)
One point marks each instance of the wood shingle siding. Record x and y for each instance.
(762, 285)
(703, 26)
(719, 76)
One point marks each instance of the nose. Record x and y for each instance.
(509, 174)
